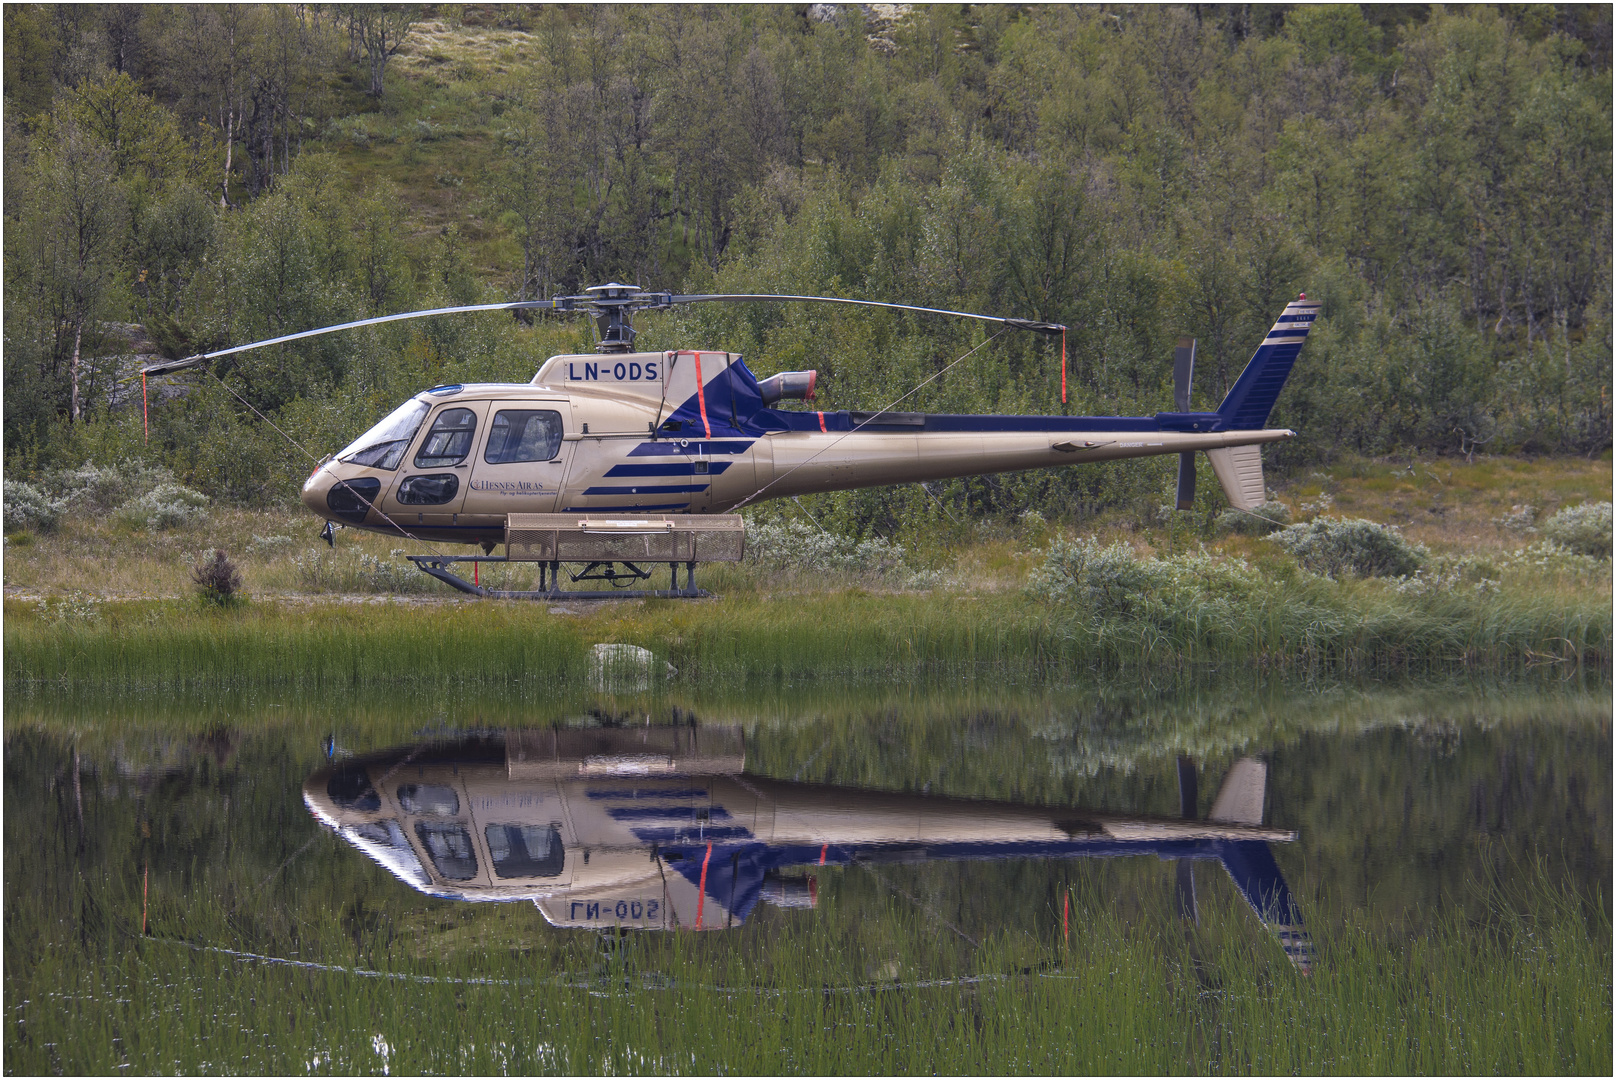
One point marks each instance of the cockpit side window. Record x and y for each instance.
(434, 799)
(448, 440)
(449, 845)
(525, 850)
(523, 435)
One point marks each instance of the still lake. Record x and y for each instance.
(961, 877)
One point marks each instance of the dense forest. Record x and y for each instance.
(186, 177)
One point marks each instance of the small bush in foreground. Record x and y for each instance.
(1584, 529)
(217, 578)
(1337, 546)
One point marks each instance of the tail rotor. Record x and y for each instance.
(1183, 374)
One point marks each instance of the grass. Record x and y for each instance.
(822, 996)
(117, 607)
(1451, 504)
(1313, 624)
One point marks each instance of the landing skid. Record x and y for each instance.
(438, 566)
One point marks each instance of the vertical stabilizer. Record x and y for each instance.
(1239, 470)
(1240, 799)
(1254, 392)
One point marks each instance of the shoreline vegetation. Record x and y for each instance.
(1492, 583)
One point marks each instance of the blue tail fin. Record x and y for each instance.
(1252, 399)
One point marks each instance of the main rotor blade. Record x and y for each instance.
(165, 366)
(1018, 324)
(1184, 889)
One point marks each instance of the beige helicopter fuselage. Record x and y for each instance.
(615, 453)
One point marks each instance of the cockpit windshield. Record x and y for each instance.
(385, 842)
(383, 446)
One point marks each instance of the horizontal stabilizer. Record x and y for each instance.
(1239, 470)
(1240, 799)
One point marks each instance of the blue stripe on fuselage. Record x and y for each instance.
(694, 833)
(687, 468)
(627, 508)
(645, 793)
(665, 813)
(650, 489)
(671, 447)
(958, 423)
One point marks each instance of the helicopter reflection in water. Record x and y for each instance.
(661, 828)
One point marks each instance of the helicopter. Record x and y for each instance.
(621, 433)
(662, 828)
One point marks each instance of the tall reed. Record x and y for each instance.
(1524, 995)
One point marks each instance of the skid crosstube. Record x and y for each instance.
(602, 543)
(438, 566)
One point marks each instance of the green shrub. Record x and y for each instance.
(1271, 515)
(27, 507)
(1337, 546)
(166, 506)
(1584, 529)
(100, 488)
(796, 548)
(1111, 580)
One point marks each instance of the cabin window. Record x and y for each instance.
(383, 446)
(523, 435)
(428, 799)
(525, 850)
(448, 440)
(449, 845)
(429, 490)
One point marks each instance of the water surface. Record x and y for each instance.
(266, 884)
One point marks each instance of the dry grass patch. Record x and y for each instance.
(1448, 503)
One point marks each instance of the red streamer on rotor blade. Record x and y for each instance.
(1063, 366)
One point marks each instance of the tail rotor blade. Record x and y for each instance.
(1186, 481)
(1184, 887)
(1187, 794)
(1183, 373)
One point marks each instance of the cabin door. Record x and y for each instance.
(430, 486)
(523, 459)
